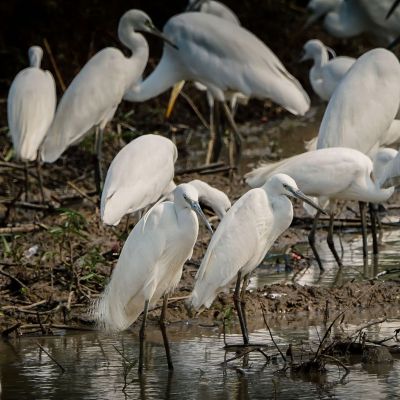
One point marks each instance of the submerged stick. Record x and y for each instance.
(51, 357)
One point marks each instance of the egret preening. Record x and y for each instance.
(95, 93)
(225, 58)
(215, 8)
(329, 174)
(210, 196)
(391, 173)
(242, 240)
(138, 175)
(31, 104)
(325, 74)
(353, 17)
(150, 265)
(364, 105)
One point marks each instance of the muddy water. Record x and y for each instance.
(94, 368)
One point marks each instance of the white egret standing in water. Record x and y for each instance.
(329, 174)
(326, 73)
(225, 58)
(31, 104)
(242, 240)
(150, 265)
(95, 93)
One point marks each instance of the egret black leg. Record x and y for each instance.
(363, 228)
(215, 142)
(235, 145)
(26, 172)
(98, 160)
(164, 332)
(238, 306)
(40, 179)
(142, 336)
(311, 240)
(329, 239)
(243, 299)
(372, 213)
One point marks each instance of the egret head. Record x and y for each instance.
(285, 185)
(35, 54)
(312, 48)
(186, 196)
(380, 159)
(140, 22)
(212, 197)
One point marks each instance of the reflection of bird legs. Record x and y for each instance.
(363, 228)
(329, 238)
(164, 331)
(98, 160)
(142, 336)
(311, 241)
(238, 306)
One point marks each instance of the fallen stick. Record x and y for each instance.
(195, 109)
(54, 64)
(51, 357)
(6, 274)
(9, 330)
(200, 168)
(81, 192)
(26, 228)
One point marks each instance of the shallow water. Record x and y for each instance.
(94, 368)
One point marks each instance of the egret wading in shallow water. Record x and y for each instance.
(326, 73)
(150, 265)
(31, 104)
(138, 176)
(242, 240)
(329, 174)
(226, 58)
(95, 93)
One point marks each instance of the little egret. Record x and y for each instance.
(242, 240)
(150, 265)
(354, 17)
(330, 174)
(325, 74)
(225, 58)
(31, 104)
(137, 177)
(364, 104)
(95, 93)
(210, 196)
(215, 8)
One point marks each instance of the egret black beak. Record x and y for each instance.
(196, 207)
(392, 8)
(300, 195)
(303, 56)
(160, 35)
(174, 95)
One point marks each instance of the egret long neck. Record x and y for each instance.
(133, 41)
(321, 57)
(161, 79)
(35, 58)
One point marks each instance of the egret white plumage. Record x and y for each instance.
(225, 58)
(329, 174)
(210, 196)
(364, 105)
(150, 264)
(326, 73)
(391, 173)
(95, 93)
(320, 8)
(31, 104)
(242, 240)
(137, 177)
